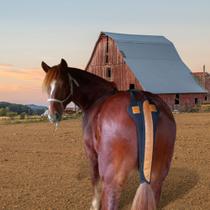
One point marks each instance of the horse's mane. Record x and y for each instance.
(92, 78)
(78, 74)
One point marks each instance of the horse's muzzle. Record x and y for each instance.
(54, 117)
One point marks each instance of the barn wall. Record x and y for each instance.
(186, 101)
(121, 74)
(204, 82)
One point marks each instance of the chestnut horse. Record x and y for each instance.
(110, 134)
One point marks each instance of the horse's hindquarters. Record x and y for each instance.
(115, 139)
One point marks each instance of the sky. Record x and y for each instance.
(32, 31)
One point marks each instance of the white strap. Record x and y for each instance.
(55, 100)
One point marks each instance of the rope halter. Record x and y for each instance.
(71, 82)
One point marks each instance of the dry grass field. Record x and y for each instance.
(47, 170)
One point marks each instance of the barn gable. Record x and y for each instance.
(155, 63)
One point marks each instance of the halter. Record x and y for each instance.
(71, 81)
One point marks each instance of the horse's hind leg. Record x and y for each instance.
(94, 177)
(95, 183)
(114, 172)
(111, 192)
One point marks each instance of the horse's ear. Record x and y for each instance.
(64, 64)
(45, 66)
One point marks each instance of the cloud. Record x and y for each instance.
(5, 66)
(24, 83)
(9, 72)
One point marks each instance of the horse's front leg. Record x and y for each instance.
(92, 155)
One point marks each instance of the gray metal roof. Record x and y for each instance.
(156, 63)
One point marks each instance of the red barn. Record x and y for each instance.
(203, 79)
(148, 63)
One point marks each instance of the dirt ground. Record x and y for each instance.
(43, 169)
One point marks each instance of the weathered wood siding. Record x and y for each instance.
(186, 100)
(121, 74)
(204, 81)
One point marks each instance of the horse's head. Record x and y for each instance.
(58, 84)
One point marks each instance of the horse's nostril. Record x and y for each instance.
(54, 117)
(57, 116)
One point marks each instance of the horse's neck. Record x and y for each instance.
(90, 89)
(86, 100)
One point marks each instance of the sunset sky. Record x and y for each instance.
(32, 31)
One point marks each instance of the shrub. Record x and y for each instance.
(11, 115)
(22, 116)
(3, 112)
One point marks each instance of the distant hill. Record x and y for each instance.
(30, 109)
(36, 107)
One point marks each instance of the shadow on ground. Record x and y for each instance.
(178, 183)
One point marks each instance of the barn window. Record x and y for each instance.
(196, 100)
(177, 99)
(132, 86)
(205, 98)
(108, 72)
(106, 58)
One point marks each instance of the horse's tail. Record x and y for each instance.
(144, 198)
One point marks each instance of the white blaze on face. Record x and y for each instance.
(52, 87)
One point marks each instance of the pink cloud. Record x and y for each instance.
(21, 84)
(20, 73)
(6, 65)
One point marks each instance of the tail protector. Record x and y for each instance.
(145, 116)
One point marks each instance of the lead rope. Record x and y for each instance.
(71, 81)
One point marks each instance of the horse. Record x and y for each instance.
(110, 135)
